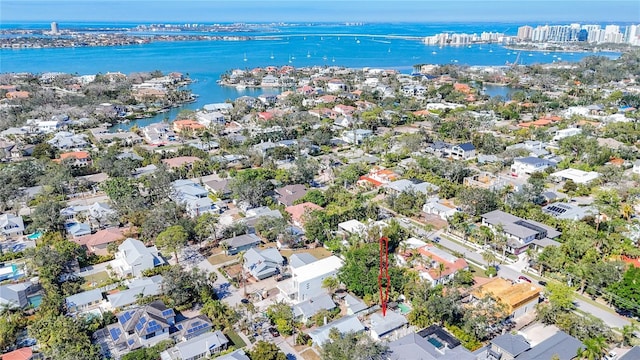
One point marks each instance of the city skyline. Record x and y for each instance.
(320, 11)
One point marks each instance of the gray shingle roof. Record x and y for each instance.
(561, 344)
(512, 344)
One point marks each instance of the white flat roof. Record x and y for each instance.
(577, 176)
(318, 268)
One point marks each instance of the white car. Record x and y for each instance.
(405, 220)
(611, 356)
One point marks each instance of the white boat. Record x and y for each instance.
(433, 53)
(308, 54)
(245, 56)
(389, 50)
(490, 50)
(333, 59)
(324, 58)
(241, 87)
(508, 53)
(530, 54)
(271, 57)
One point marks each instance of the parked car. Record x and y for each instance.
(437, 239)
(542, 283)
(244, 301)
(611, 356)
(274, 332)
(524, 278)
(405, 220)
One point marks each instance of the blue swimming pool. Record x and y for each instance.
(35, 300)
(435, 343)
(35, 236)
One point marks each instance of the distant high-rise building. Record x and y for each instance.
(583, 35)
(524, 32)
(54, 28)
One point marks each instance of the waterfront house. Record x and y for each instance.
(187, 125)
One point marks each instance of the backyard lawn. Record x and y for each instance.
(94, 280)
(319, 252)
(220, 258)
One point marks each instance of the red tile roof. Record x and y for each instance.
(24, 353)
(105, 236)
(180, 160)
(297, 211)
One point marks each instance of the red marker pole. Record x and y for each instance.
(384, 274)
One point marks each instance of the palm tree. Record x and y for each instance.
(594, 348)
(243, 273)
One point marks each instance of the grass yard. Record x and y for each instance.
(220, 258)
(310, 354)
(237, 341)
(319, 252)
(94, 280)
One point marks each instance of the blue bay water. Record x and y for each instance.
(391, 46)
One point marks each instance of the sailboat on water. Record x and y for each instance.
(245, 57)
(308, 54)
(271, 57)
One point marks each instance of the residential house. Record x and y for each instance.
(84, 301)
(377, 177)
(140, 327)
(99, 212)
(565, 133)
(356, 136)
(11, 225)
(10, 272)
(187, 125)
(133, 258)
(560, 346)
(76, 158)
(180, 161)
(435, 344)
(305, 310)
(48, 126)
(194, 197)
(199, 347)
(536, 148)
(78, 229)
(415, 185)
(352, 227)
(320, 335)
(64, 140)
(241, 243)
(254, 215)
(146, 286)
(354, 305)
(520, 233)
(439, 267)
(290, 194)
(530, 165)
(300, 259)
(218, 187)
(569, 211)
(222, 107)
(236, 355)
(158, 133)
(24, 353)
(306, 280)
(485, 180)
(389, 326)
(575, 175)
(507, 347)
(519, 298)
(262, 264)
(15, 295)
(209, 119)
(300, 212)
(464, 151)
(99, 242)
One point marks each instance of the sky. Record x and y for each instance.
(213, 11)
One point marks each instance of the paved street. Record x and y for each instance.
(513, 271)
